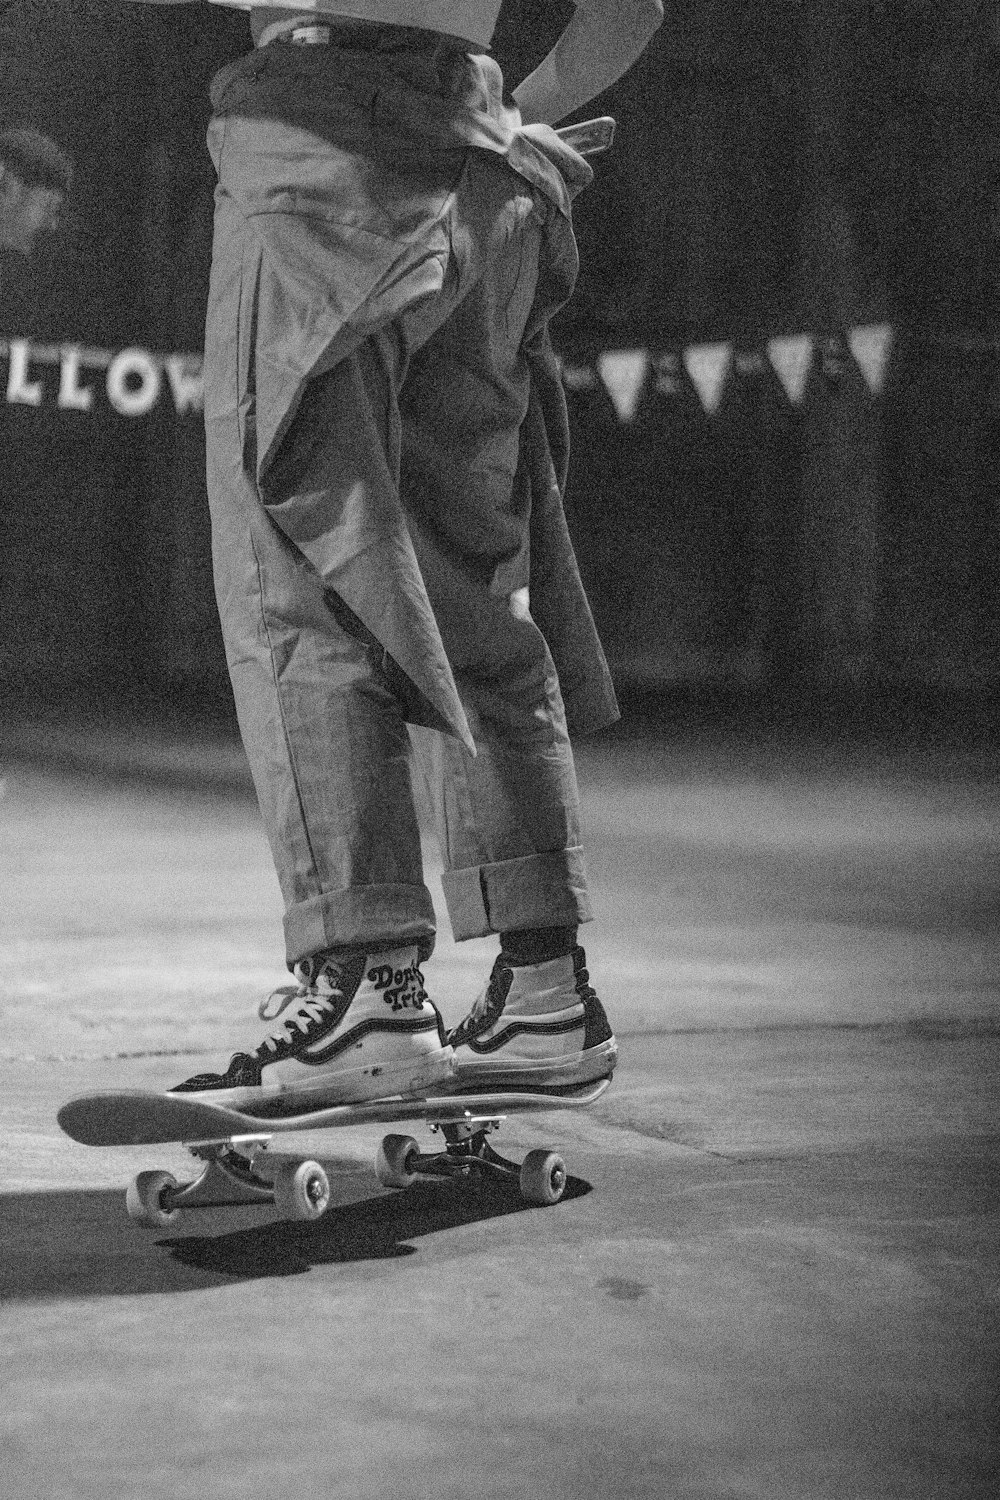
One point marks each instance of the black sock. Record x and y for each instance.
(537, 945)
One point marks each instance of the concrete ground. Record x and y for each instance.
(774, 1273)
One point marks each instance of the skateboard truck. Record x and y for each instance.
(228, 1177)
(469, 1125)
(541, 1177)
(299, 1189)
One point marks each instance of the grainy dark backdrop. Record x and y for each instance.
(780, 168)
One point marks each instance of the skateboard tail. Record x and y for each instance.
(141, 1118)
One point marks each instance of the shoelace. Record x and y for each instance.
(584, 988)
(314, 1007)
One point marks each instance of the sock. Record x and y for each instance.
(344, 954)
(536, 945)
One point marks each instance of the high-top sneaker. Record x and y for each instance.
(535, 1026)
(352, 1029)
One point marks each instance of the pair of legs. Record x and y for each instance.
(323, 709)
(381, 552)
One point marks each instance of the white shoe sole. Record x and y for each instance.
(409, 1078)
(579, 1067)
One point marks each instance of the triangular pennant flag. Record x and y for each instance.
(624, 374)
(870, 347)
(791, 358)
(708, 366)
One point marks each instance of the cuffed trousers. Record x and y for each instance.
(323, 703)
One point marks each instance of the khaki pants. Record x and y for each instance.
(391, 507)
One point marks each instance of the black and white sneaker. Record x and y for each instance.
(535, 1025)
(352, 1029)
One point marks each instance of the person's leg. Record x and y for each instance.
(320, 716)
(327, 744)
(509, 829)
(508, 817)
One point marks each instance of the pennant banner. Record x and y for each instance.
(132, 382)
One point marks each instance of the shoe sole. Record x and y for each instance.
(408, 1080)
(584, 1067)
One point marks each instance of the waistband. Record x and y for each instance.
(436, 99)
(333, 31)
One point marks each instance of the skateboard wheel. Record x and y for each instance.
(301, 1190)
(144, 1199)
(392, 1164)
(543, 1177)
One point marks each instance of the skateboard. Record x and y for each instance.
(237, 1169)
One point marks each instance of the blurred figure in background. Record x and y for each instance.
(35, 178)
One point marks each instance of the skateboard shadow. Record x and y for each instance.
(80, 1244)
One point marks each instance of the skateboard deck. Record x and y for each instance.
(233, 1145)
(143, 1117)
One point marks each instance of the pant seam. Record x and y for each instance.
(293, 767)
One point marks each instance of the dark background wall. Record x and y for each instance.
(780, 168)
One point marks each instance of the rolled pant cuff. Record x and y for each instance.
(538, 890)
(363, 916)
